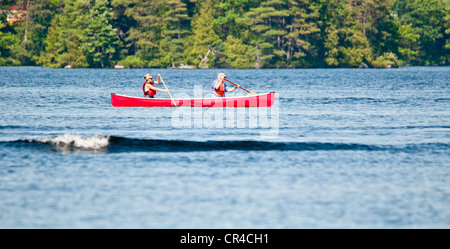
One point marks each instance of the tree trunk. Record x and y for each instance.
(101, 56)
(258, 58)
(364, 24)
(179, 30)
(289, 52)
(25, 39)
(204, 60)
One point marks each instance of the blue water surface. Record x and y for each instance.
(341, 148)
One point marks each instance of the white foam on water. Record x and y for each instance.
(75, 141)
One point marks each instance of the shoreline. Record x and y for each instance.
(269, 68)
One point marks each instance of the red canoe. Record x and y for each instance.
(260, 100)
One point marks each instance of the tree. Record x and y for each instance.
(303, 30)
(378, 24)
(203, 34)
(229, 12)
(177, 27)
(21, 50)
(238, 54)
(271, 33)
(447, 29)
(26, 31)
(427, 18)
(144, 38)
(408, 44)
(285, 30)
(99, 38)
(65, 36)
(345, 44)
(268, 22)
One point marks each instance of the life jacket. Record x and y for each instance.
(219, 92)
(150, 92)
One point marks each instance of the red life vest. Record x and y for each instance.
(150, 92)
(220, 91)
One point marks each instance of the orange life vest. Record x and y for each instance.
(220, 91)
(150, 92)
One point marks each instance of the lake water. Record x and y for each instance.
(341, 148)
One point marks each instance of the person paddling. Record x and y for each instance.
(219, 88)
(149, 88)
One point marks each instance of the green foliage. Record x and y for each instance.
(447, 29)
(177, 23)
(427, 18)
(22, 40)
(7, 43)
(203, 34)
(65, 37)
(99, 38)
(143, 39)
(408, 44)
(345, 44)
(268, 22)
(387, 60)
(303, 30)
(238, 54)
(132, 61)
(246, 33)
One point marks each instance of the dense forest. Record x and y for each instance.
(224, 33)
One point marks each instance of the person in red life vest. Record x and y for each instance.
(149, 88)
(219, 88)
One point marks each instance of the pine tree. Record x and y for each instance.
(428, 20)
(177, 27)
(238, 54)
(378, 24)
(203, 35)
(286, 30)
(99, 38)
(345, 44)
(64, 40)
(24, 39)
(274, 33)
(144, 38)
(303, 30)
(229, 12)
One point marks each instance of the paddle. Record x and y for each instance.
(242, 88)
(168, 91)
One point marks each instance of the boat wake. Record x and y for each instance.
(116, 144)
(66, 144)
(73, 141)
